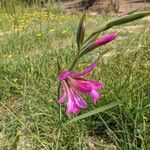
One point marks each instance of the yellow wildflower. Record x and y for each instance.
(10, 56)
(39, 34)
(64, 32)
(52, 30)
(15, 80)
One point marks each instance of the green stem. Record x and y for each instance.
(74, 62)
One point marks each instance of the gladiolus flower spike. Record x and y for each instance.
(72, 84)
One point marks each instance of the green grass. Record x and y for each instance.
(30, 118)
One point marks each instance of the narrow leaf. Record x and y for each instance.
(80, 32)
(95, 111)
(58, 66)
(59, 83)
(119, 21)
(86, 49)
(85, 43)
(127, 18)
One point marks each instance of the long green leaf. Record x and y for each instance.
(95, 111)
(119, 21)
(80, 31)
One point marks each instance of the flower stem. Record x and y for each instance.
(74, 62)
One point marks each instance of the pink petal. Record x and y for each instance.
(75, 102)
(64, 75)
(79, 101)
(95, 85)
(80, 85)
(95, 96)
(71, 105)
(105, 39)
(86, 71)
(62, 99)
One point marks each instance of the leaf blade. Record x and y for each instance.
(95, 111)
(80, 31)
(119, 21)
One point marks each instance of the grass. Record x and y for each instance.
(30, 118)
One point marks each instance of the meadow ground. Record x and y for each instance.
(31, 40)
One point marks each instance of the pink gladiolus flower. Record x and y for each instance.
(72, 84)
(105, 39)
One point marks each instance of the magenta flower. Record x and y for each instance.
(99, 42)
(105, 39)
(73, 84)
